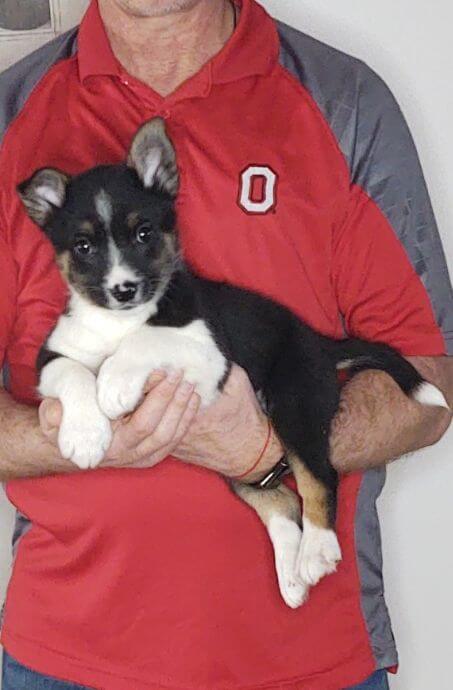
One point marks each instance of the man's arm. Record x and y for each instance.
(392, 285)
(377, 423)
(24, 450)
(28, 438)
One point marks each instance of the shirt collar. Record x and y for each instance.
(95, 56)
(252, 49)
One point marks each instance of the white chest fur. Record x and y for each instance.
(122, 349)
(89, 334)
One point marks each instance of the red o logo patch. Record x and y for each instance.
(258, 189)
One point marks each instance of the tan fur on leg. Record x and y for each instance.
(313, 493)
(319, 550)
(270, 502)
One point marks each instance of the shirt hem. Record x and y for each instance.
(448, 338)
(387, 660)
(62, 667)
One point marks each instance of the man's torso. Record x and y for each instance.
(162, 578)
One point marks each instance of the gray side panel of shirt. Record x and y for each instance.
(17, 82)
(378, 147)
(16, 85)
(334, 80)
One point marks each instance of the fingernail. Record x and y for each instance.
(157, 375)
(174, 376)
(185, 388)
(194, 400)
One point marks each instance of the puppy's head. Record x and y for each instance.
(113, 227)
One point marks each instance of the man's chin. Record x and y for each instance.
(155, 8)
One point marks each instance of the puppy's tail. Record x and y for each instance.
(357, 355)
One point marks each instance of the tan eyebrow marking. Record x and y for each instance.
(132, 219)
(63, 262)
(87, 226)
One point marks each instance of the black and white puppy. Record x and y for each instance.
(135, 306)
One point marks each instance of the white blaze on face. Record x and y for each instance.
(119, 272)
(104, 208)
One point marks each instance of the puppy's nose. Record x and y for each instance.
(125, 292)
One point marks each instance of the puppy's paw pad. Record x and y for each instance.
(319, 553)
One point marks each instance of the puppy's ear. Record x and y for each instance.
(153, 157)
(43, 193)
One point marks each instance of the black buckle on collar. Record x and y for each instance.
(273, 478)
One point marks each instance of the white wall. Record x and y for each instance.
(409, 43)
(16, 44)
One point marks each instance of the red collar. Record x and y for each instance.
(252, 50)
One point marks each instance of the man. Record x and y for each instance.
(300, 180)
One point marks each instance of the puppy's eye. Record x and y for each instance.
(144, 233)
(83, 247)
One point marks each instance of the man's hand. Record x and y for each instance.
(227, 437)
(230, 434)
(151, 433)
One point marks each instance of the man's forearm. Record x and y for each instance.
(377, 423)
(24, 450)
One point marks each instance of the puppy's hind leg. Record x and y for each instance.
(303, 396)
(279, 510)
(320, 551)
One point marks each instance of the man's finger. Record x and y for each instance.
(154, 379)
(148, 415)
(150, 459)
(188, 417)
(165, 434)
(50, 414)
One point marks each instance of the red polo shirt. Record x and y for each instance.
(293, 184)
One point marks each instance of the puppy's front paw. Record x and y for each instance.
(84, 438)
(319, 553)
(120, 387)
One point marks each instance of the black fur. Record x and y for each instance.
(45, 356)
(293, 366)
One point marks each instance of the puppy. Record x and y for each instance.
(135, 306)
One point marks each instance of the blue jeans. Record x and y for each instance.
(17, 677)
(378, 681)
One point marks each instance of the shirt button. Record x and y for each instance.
(165, 114)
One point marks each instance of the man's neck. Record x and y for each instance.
(164, 51)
